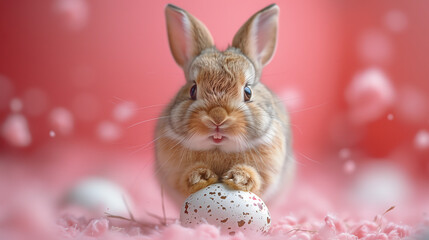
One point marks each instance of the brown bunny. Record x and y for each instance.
(223, 125)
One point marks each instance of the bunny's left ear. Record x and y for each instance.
(187, 35)
(257, 38)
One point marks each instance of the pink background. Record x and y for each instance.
(121, 52)
(107, 63)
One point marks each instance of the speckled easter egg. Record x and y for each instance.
(231, 210)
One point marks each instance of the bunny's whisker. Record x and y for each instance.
(147, 120)
(310, 108)
(308, 158)
(150, 106)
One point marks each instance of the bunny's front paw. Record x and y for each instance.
(198, 178)
(243, 177)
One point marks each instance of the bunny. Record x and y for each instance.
(223, 125)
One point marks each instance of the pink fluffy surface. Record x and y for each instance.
(33, 188)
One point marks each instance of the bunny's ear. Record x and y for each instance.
(186, 34)
(257, 38)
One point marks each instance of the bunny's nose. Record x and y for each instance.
(218, 115)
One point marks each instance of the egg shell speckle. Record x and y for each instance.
(231, 210)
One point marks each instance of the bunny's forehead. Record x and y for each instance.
(230, 67)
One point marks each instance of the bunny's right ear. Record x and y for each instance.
(257, 38)
(186, 34)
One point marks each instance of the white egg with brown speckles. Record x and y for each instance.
(231, 210)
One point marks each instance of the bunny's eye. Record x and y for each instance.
(247, 93)
(193, 92)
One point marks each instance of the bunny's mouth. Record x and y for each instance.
(217, 138)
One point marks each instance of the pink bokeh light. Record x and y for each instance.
(369, 95)
(61, 120)
(74, 13)
(15, 131)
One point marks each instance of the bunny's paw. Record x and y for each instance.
(243, 177)
(198, 178)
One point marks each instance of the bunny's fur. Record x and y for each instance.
(255, 152)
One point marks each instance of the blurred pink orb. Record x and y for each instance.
(52, 134)
(16, 105)
(6, 91)
(292, 98)
(16, 132)
(390, 117)
(61, 121)
(374, 47)
(395, 20)
(369, 95)
(344, 153)
(380, 183)
(124, 111)
(421, 140)
(34, 101)
(74, 12)
(108, 131)
(349, 166)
